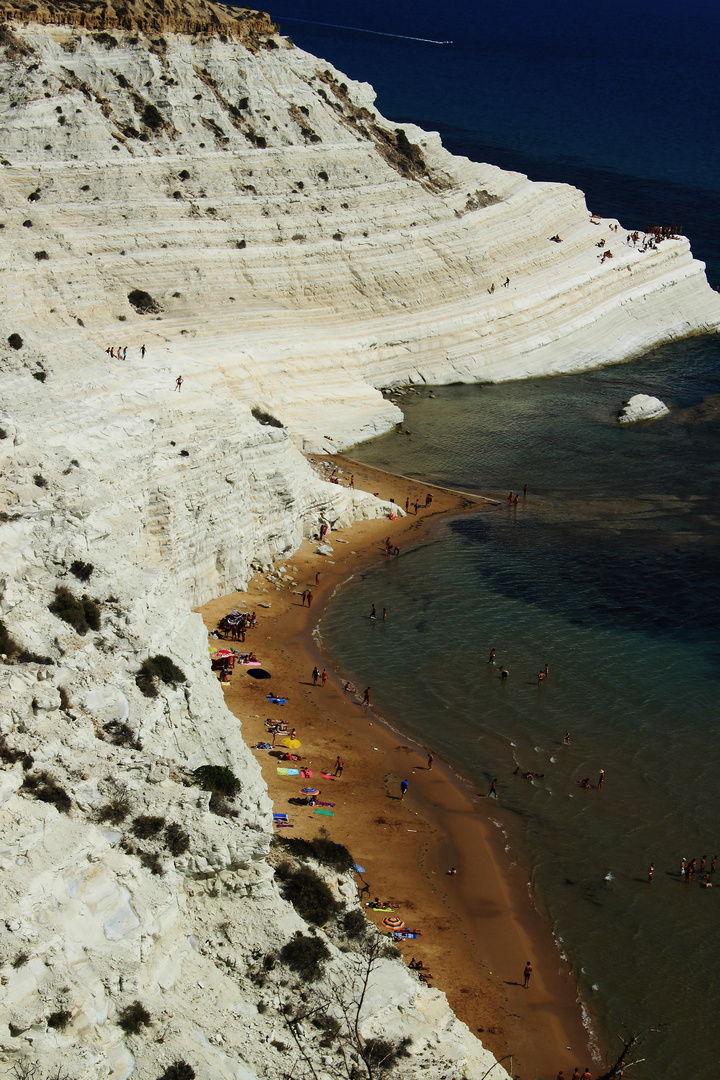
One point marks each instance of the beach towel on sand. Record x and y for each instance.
(282, 772)
(327, 776)
(327, 813)
(280, 817)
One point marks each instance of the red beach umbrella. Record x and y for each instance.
(393, 923)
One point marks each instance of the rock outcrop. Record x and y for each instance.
(236, 212)
(642, 407)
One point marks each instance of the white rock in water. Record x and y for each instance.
(642, 407)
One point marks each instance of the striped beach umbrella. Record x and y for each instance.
(309, 791)
(393, 923)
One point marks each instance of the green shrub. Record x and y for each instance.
(21, 959)
(107, 40)
(179, 1070)
(120, 734)
(46, 788)
(39, 480)
(81, 570)
(134, 1017)
(177, 840)
(114, 811)
(82, 615)
(158, 667)
(311, 897)
(355, 925)
(41, 256)
(321, 848)
(143, 302)
(9, 754)
(59, 1019)
(220, 806)
(147, 825)
(265, 418)
(381, 1056)
(306, 956)
(218, 779)
(41, 376)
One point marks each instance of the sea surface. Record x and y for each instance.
(608, 570)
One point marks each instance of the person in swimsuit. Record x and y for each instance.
(526, 974)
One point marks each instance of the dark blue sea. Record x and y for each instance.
(608, 570)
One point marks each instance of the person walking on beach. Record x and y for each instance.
(142, 352)
(366, 696)
(403, 789)
(431, 758)
(526, 974)
(493, 789)
(339, 766)
(576, 1074)
(352, 480)
(315, 675)
(587, 1075)
(304, 597)
(309, 598)
(317, 579)
(324, 676)
(179, 382)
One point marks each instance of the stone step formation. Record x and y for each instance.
(181, 181)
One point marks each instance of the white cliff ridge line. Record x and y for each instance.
(300, 257)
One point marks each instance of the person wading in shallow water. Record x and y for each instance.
(366, 696)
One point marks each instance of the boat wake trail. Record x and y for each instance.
(362, 30)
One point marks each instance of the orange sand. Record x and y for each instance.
(478, 927)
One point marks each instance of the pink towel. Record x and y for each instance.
(327, 776)
(302, 773)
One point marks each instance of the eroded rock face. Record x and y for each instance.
(642, 407)
(245, 214)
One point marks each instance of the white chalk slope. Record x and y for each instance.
(299, 254)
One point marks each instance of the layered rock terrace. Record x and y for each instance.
(183, 178)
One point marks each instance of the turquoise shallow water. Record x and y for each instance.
(609, 574)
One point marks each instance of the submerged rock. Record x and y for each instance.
(642, 407)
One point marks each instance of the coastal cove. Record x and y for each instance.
(477, 928)
(607, 571)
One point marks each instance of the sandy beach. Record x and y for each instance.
(479, 926)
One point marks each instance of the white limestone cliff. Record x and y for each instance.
(298, 255)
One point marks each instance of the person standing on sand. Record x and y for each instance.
(315, 675)
(309, 598)
(142, 352)
(352, 480)
(179, 382)
(339, 765)
(526, 974)
(587, 1075)
(304, 597)
(324, 676)
(560, 1075)
(317, 579)
(403, 789)
(576, 1074)
(431, 758)
(493, 789)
